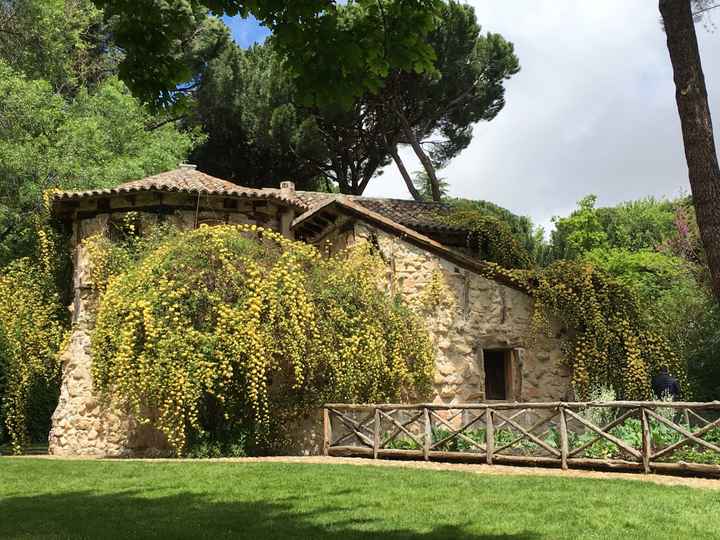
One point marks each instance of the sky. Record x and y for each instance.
(591, 111)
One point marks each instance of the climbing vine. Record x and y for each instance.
(489, 238)
(32, 328)
(256, 325)
(610, 341)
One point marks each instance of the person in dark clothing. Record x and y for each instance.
(664, 384)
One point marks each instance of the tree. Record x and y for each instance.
(434, 113)
(321, 42)
(640, 224)
(635, 225)
(64, 42)
(580, 232)
(65, 120)
(424, 186)
(696, 123)
(97, 139)
(260, 132)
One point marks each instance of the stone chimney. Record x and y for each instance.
(188, 166)
(287, 189)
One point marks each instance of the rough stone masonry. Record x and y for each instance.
(481, 328)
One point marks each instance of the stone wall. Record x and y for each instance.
(82, 423)
(467, 314)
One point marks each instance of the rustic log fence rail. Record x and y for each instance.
(649, 436)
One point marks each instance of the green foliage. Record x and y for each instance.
(634, 226)
(219, 440)
(611, 343)
(671, 298)
(520, 226)
(467, 88)
(489, 238)
(249, 101)
(354, 45)
(423, 184)
(653, 248)
(31, 330)
(237, 325)
(63, 42)
(612, 338)
(637, 225)
(579, 232)
(702, 343)
(649, 273)
(97, 139)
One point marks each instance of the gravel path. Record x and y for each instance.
(666, 480)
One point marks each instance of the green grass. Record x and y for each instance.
(116, 499)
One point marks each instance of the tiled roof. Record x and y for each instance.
(182, 180)
(352, 206)
(421, 216)
(417, 215)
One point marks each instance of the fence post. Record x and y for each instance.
(428, 434)
(564, 446)
(646, 442)
(376, 433)
(489, 436)
(327, 431)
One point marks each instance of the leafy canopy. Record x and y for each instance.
(261, 131)
(97, 139)
(355, 46)
(63, 42)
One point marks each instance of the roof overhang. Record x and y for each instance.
(66, 201)
(314, 221)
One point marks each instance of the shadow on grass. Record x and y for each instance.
(131, 514)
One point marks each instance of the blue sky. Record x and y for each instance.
(245, 32)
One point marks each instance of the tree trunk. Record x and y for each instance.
(420, 153)
(403, 171)
(700, 151)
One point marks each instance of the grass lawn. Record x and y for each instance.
(86, 499)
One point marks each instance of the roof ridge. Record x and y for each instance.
(364, 198)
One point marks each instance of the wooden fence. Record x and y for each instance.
(643, 435)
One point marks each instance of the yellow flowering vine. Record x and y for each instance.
(263, 327)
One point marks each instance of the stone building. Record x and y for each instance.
(482, 328)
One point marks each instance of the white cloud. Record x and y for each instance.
(592, 110)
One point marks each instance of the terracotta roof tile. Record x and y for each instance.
(421, 216)
(183, 180)
(417, 215)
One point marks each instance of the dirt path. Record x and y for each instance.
(666, 480)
